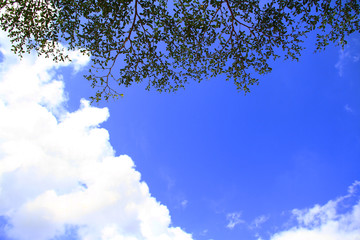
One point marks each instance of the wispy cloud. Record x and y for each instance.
(58, 170)
(346, 55)
(184, 203)
(337, 219)
(348, 108)
(343, 55)
(234, 219)
(257, 222)
(203, 232)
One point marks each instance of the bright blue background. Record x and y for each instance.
(289, 143)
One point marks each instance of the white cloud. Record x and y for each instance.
(58, 169)
(327, 222)
(234, 219)
(203, 232)
(343, 55)
(257, 222)
(184, 203)
(348, 108)
(346, 55)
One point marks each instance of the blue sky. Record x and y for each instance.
(280, 163)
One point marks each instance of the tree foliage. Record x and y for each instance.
(167, 43)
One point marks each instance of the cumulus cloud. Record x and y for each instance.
(58, 170)
(337, 219)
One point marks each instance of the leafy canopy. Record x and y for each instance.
(167, 43)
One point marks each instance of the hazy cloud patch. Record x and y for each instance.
(184, 203)
(347, 55)
(348, 108)
(234, 219)
(257, 222)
